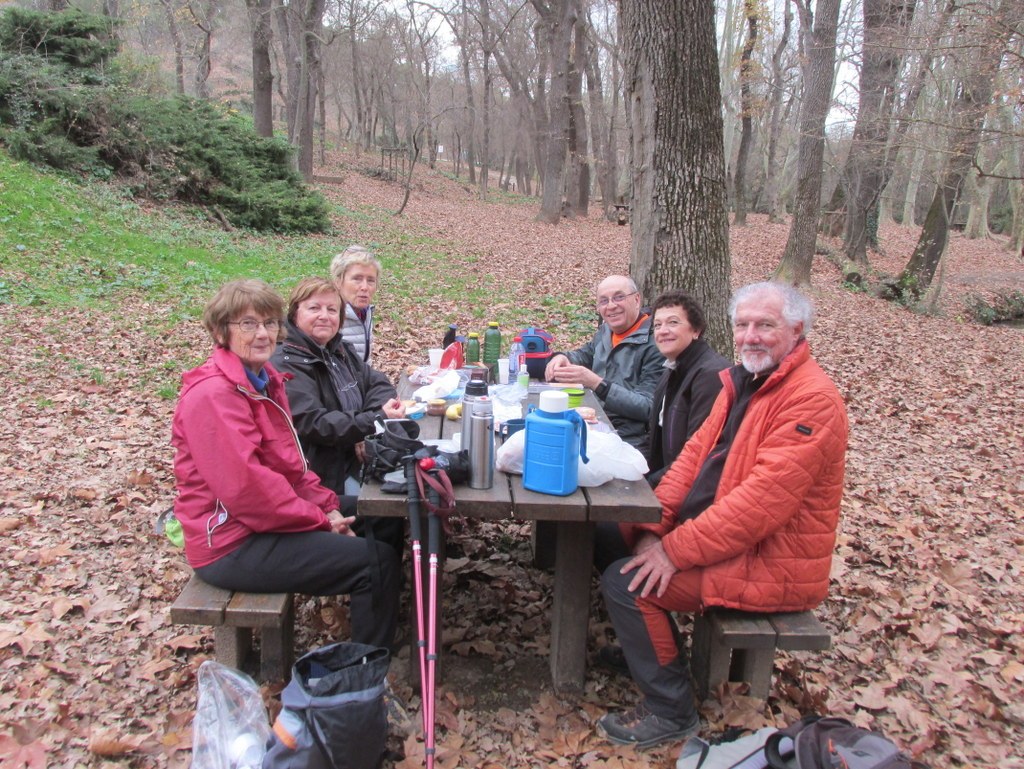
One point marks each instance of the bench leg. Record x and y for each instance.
(232, 645)
(709, 659)
(277, 646)
(754, 666)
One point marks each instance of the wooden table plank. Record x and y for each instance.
(621, 501)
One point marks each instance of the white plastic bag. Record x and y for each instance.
(610, 457)
(230, 730)
(440, 387)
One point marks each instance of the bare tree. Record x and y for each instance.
(752, 14)
(886, 25)
(818, 28)
(984, 31)
(557, 23)
(776, 112)
(262, 72)
(680, 232)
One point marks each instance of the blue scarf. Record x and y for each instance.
(260, 380)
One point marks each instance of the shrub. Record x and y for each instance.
(55, 110)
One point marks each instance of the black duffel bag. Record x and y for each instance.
(333, 715)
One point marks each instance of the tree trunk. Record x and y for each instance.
(886, 24)
(204, 20)
(262, 74)
(680, 228)
(309, 75)
(467, 80)
(774, 165)
(579, 199)
(819, 30)
(982, 46)
(557, 21)
(179, 54)
(746, 112)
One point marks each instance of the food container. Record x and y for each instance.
(436, 407)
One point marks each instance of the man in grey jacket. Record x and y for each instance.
(621, 364)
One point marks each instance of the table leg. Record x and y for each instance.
(570, 611)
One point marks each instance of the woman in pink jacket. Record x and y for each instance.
(255, 518)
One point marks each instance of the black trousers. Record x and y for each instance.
(319, 563)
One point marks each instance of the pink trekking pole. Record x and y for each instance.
(413, 501)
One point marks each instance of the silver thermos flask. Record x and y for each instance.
(479, 429)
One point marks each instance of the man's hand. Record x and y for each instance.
(340, 524)
(556, 362)
(653, 570)
(570, 373)
(360, 449)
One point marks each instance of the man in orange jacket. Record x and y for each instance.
(749, 511)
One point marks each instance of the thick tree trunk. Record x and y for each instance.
(557, 21)
(820, 33)
(886, 24)
(262, 73)
(746, 113)
(579, 156)
(680, 228)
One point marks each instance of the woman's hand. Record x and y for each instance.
(393, 409)
(340, 524)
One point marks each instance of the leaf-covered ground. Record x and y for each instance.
(925, 609)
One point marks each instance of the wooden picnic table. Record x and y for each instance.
(572, 520)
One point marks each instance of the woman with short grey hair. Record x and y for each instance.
(356, 272)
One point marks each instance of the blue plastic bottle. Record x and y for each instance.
(556, 439)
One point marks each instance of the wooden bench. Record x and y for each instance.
(233, 617)
(732, 645)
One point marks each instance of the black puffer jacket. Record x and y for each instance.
(329, 430)
(682, 401)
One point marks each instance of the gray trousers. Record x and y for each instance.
(667, 689)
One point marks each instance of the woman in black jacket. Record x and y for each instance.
(335, 397)
(687, 390)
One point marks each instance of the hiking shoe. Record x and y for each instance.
(613, 658)
(640, 727)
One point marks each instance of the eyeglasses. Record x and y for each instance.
(249, 326)
(618, 298)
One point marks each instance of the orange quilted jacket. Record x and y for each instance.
(766, 542)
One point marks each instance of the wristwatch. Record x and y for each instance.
(601, 391)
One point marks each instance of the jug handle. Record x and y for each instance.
(574, 416)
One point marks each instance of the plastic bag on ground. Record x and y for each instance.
(231, 729)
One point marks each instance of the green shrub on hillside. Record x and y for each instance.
(69, 112)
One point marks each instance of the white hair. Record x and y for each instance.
(796, 308)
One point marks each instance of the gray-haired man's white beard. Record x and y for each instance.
(758, 363)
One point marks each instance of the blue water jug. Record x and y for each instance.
(556, 439)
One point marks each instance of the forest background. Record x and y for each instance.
(100, 297)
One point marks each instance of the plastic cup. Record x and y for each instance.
(575, 396)
(511, 426)
(435, 354)
(503, 371)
